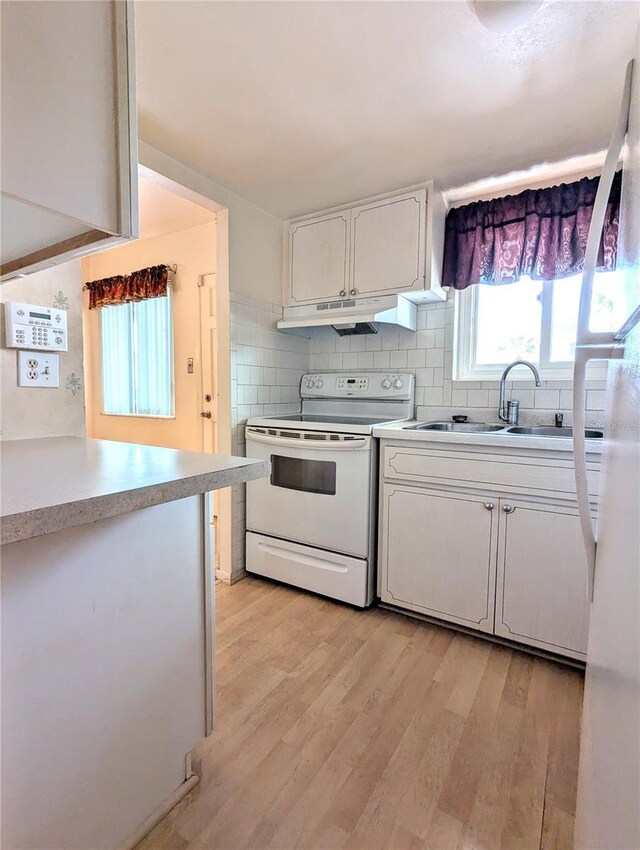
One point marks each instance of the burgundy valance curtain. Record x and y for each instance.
(539, 233)
(137, 286)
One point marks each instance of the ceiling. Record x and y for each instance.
(299, 106)
(163, 212)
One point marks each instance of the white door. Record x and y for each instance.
(208, 361)
(319, 492)
(439, 553)
(541, 592)
(388, 245)
(319, 258)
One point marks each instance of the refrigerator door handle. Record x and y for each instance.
(584, 335)
(589, 345)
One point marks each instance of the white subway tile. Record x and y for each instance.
(547, 399)
(424, 377)
(398, 359)
(435, 318)
(416, 358)
(433, 395)
(596, 399)
(435, 357)
(365, 359)
(477, 398)
(458, 397)
(381, 359)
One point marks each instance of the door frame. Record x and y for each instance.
(222, 518)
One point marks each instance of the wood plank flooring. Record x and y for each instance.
(365, 730)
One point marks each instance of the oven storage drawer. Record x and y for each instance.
(338, 576)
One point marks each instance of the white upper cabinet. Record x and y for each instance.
(383, 246)
(69, 136)
(388, 245)
(319, 258)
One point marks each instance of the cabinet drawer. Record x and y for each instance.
(504, 472)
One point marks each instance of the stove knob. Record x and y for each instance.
(309, 383)
(386, 384)
(398, 383)
(319, 384)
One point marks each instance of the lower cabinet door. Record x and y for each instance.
(438, 554)
(541, 588)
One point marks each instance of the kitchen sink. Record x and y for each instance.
(459, 427)
(550, 431)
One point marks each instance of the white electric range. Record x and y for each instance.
(312, 524)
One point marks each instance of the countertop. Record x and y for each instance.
(495, 440)
(60, 482)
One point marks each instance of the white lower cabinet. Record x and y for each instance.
(509, 565)
(439, 554)
(541, 596)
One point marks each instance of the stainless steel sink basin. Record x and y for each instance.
(549, 431)
(460, 427)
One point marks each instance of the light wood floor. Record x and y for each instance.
(345, 729)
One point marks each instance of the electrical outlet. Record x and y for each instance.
(38, 370)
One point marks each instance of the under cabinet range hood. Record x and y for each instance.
(354, 316)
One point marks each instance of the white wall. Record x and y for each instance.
(41, 412)
(255, 236)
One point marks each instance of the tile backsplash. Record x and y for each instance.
(429, 353)
(266, 369)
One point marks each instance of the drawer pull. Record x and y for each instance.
(488, 505)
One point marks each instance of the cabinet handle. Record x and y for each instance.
(354, 292)
(343, 292)
(508, 509)
(206, 414)
(488, 505)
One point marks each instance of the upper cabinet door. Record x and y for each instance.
(69, 146)
(319, 258)
(388, 245)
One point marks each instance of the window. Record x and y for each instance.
(531, 319)
(137, 358)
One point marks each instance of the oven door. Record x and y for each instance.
(319, 492)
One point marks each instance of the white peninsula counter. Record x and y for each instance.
(107, 634)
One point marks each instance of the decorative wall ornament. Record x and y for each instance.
(61, 302)
(73, 383)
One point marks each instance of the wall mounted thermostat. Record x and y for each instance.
(35, 328)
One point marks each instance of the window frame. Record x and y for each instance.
(464, 337)
(103, 412)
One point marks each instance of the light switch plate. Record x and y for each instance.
(38, 369)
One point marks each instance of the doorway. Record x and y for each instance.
(187, 234)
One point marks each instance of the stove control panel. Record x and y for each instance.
(364, 385)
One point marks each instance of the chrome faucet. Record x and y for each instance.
(509, 412)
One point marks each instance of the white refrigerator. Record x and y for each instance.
(608, 808)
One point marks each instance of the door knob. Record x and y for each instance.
(206, 414)
(488, 505)
(508, 509)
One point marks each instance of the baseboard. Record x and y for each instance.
(158, 814)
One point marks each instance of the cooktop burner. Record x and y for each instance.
(331, 420)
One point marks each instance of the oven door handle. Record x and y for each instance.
(314, 445)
